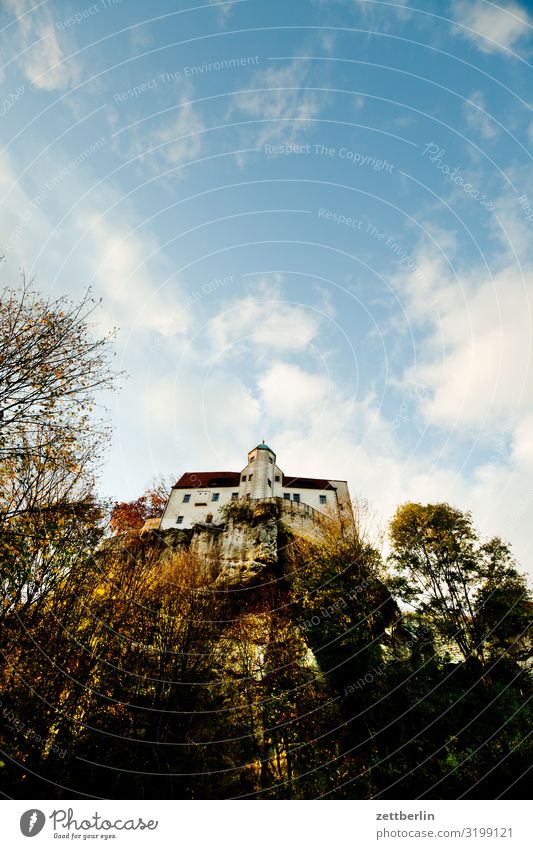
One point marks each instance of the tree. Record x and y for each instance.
(452, 577)
(51, 366)
(38, 549)
(503, 606)
(131, 515)
(140, 676)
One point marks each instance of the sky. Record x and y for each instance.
(311, 222)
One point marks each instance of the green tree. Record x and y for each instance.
(503, 606)
(453, 579)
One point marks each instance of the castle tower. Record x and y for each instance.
(257, 478)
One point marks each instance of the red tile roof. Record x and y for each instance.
(306, 483)
(202, 480)
(206, 480)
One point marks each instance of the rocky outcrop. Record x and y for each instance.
(243, 551)
(251, 556)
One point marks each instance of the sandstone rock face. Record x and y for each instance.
(245, 547)
(243, 550)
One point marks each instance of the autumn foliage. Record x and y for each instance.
(131, 515)
(51, 367)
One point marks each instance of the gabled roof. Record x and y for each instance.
(201, 480)
(307, 483)
(207, 480)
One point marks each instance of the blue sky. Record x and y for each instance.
(311, 222)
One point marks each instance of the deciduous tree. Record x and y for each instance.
(131, 515)
(52, 364)
(451, 576)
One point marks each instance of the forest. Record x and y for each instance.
(336, 673)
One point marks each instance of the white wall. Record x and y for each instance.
(343, 496)
(312, 497)
(262, 468)
(201, 504)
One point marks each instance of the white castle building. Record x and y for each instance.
(198, 496)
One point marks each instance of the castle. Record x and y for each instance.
(197, 497)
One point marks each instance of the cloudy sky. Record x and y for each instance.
(311, 222)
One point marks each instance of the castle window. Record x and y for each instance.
(209, 518)
(243, 478)
(323, 499)
(179, 520)
(215, 496)
(277, 478)
(269, 482)
(234, 496)
(287, 496)
(296, 497)
(270, 459)
(250, 477)
(186, 498)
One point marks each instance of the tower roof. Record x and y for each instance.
(263, 447)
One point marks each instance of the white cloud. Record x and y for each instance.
(371, 13)
(477, 117)
(194, 409)
(93, 243)
(224, 6)
(132, 277)
(293, 394)
(322, 431)
(180, 140)
(263, 322)
(474, 361)
(489, 26)
(176, 140)
(523, 442)
(474, 357)
(511, 225)
(287, 109)
(328, 41)
(43, 59)
(174, 417)
(23, 222)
